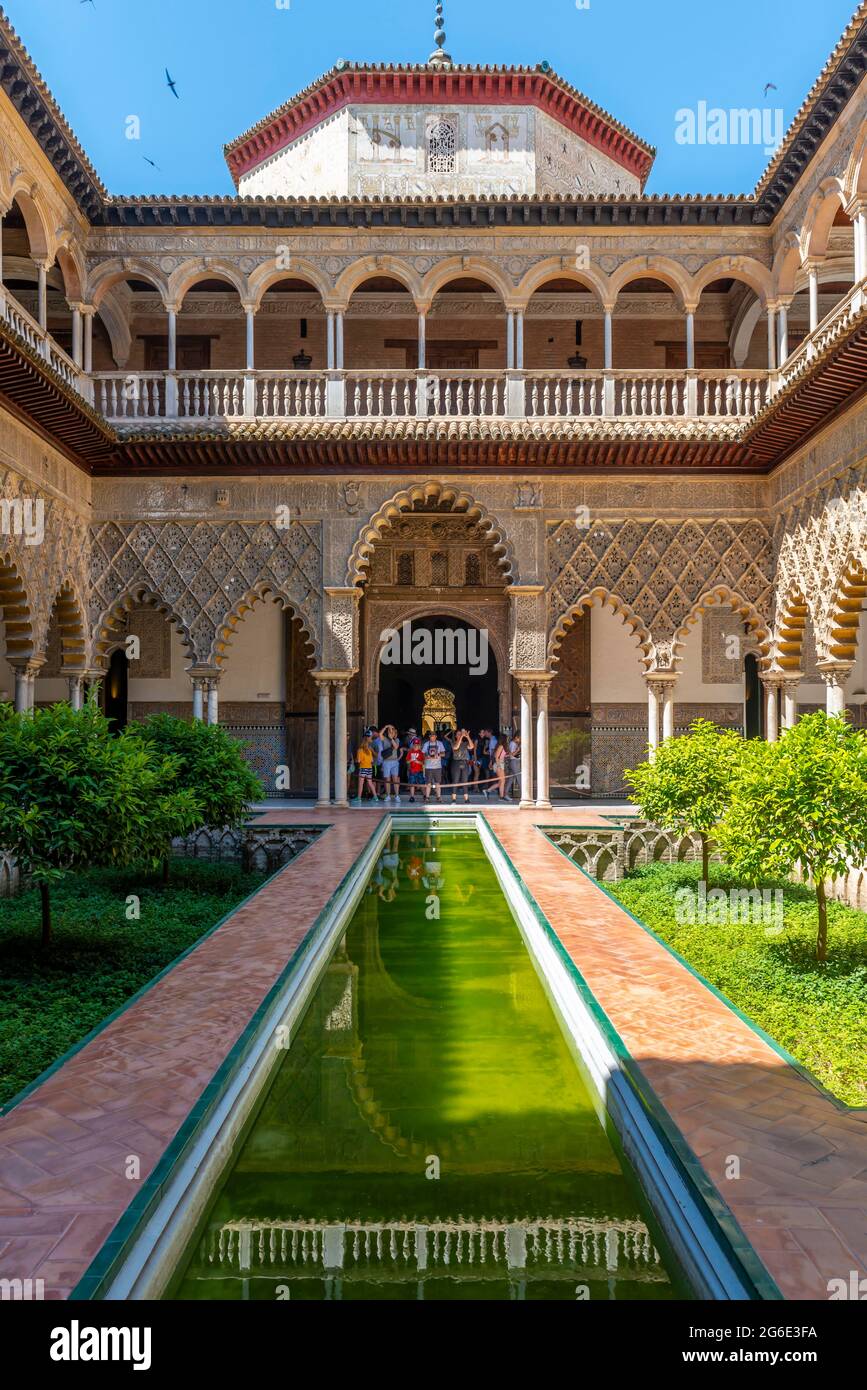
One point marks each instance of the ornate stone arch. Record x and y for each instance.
(822, 209)
(558, 268)
(15, 610)
(432, 491)
(108, 630)
(114, 272)
(605, 598)
(746, 269)
(268, 273)
(840, 638)
(855, 181)
(468, 268)
(787, 266)
(261, 592)
(721, 596)
(790, 628)
(37, 217)
(69, 610)
(653, 268)
(73, 270)
(476, 615)
(367, 268)
(182, 280)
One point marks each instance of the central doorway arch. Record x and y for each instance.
(474, 682)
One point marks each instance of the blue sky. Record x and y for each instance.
(235, 60)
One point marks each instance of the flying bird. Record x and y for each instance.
(171, 84)
(149, 161)
(770, 87)
(88, 2)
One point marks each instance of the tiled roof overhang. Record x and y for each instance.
(831, 91)
(420, 86)
(23, 84)
(33, 391)
(823, 388)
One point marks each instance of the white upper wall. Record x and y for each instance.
(408, 152)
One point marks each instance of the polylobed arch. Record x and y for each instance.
(604, 598)
(558, 268)
(427, 494)
(721, 596)
(68, 612)
(15, 611)
(845, 615)
(791, 631)
(436, 608)
(745, 269)
(109, 628)
(260, 593)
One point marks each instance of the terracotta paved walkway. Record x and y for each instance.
(802, 1195)
(63, 1148)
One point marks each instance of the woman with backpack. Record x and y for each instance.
(463, 750)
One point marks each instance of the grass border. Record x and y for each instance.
(98, 1028)
(754, 1027)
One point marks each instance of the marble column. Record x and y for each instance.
(690, 340)
(88, 311)
(814, 298)
(526, 688)
(76, 335)
(75, 685)
(329, 340)
(25, 684)
(341, 751)
(835, 677)
(212, 688)
(772, 337)
(422, 342)
(652, 720)
(609, 340)
(171, 378)
(665, 690)
(519, 340)
(772, 720)
(543, 771)
(198, 697)
(324, 742)
(784, 334)
(789, 688)
(42, 311)
(339, 339)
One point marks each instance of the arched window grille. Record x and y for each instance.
(441, 148)
(472, 571)
(406, 569)
(439, 568)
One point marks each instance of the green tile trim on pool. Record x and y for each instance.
(140, 993)
(110, 1255)
(705, 1191)
(754, 1027)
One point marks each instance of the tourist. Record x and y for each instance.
(434, 752)
(462, 754)
(415, 767)
(365, 761)
(391, 756)
(376, 745)
(513, 765)
(497, 764)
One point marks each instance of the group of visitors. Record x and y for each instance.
(457, 761)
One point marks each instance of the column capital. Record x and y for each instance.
(204, 673)
(332, 677)
(26, 665)
(835, 673)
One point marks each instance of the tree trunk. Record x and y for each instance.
(46, 913)
(705, 858)
(822, 938)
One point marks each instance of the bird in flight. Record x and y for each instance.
(770, 87)
(89, 2)
(149, 161)
(171, 84)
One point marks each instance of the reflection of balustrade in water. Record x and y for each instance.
(565, 1247)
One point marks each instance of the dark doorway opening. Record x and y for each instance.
(754, 713)
(403, 687)
(116, 690)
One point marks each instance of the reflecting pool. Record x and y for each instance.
(428, 1135)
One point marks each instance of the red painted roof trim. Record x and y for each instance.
(434, 88)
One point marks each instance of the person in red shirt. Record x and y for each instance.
(415, 766)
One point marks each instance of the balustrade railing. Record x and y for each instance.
(42, 342)
(395, 395)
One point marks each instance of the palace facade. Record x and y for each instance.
(440, 361)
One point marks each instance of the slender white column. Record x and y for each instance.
(814, 299)
(76, 691)
(835, 678)
(510, 341)
(609, 339)
(324, 743)
(338, 324)
(173, 339)
(790, 702)
(198, 698)
(519, 341)
(88, 339)
(861, 245)
(76, 335)
(341, 796)
(784, 334)
(652, 720)
(543, 773)
(772, 338)
(22, 702)
(213, 702)
(251, 339)
(665, 695)
(329, 340)
(772, 723)
(43, 295)
(690, 340)
(526, 688)
(422, 342)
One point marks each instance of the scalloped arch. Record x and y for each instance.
(259, 593)
(605, 598)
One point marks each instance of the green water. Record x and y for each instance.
(428, 1134)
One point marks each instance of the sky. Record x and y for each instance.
(235, 60)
